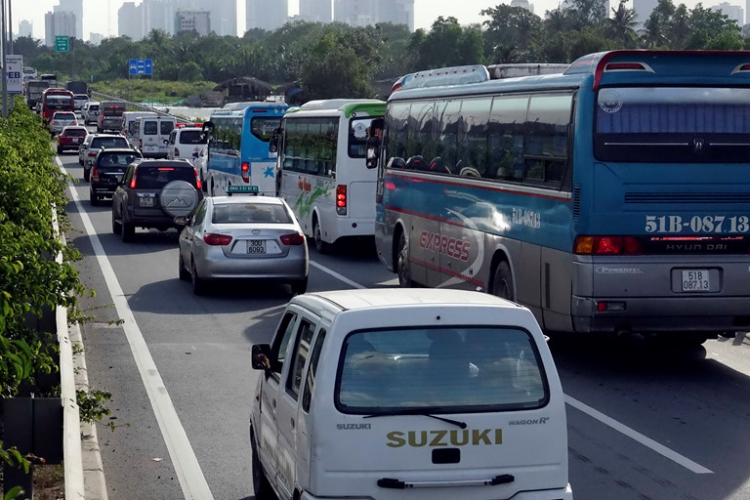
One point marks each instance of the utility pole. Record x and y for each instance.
(5, 62)
(10, 26)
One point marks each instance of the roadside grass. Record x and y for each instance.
(49, 482)
(159, 91)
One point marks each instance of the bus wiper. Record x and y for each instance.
(422, 414)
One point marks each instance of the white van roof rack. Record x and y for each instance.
(457, 75)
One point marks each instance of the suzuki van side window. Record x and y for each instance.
(440, 370)
(278, 351)
(294, 378)
(310, 380)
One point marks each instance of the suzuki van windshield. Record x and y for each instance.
(440, 370)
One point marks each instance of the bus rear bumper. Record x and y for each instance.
(646, 315)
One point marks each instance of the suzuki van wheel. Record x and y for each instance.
(502, 284)
(260, 483)
(321, 246)
(402, 263)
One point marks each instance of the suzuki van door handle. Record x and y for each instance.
(292, 419)
(273, 402)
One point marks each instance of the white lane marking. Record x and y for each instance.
(189, 473)
(336, 275)
(614, 424)
(637, 436)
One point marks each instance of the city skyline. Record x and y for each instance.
(425, 12)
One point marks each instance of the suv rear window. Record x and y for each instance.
(250, 213)
(77, 132)
(116, 159)
(93, 107)
(440, 370)
(158, 177)
(192, 137)
(109, 142)
(64, 116)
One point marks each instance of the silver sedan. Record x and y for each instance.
(243, 237)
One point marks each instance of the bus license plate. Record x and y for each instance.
(696, 280)
(256, 247)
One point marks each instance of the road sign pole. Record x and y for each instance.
(10, 26)
(5, 62)
(72, 58)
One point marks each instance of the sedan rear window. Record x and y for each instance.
(158, 177)
(250, 213)
(64, 116)
(192, 137)
(109, 142)
(440, 370)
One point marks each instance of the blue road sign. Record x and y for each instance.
(141, 67)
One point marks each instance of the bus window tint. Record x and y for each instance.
(358, 137)
(506, 138)
(310, 145)
(396, 130)
(446, 148)
(546, 152)
(420, 131)
(58, 102)
(263, 128)
(472, 138)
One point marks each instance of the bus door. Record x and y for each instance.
(352, 172)
(262, 164)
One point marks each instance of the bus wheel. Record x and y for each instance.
(502, 284)
(402, 263)
(321, 246)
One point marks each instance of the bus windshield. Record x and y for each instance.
(672, 124)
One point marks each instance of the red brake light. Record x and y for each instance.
(165, 169)
(341, 199)
(94, 174)
(246, 171)
(396, 86)
(217, 239)
(607, 245)
(92, 154)
(260, 111)
(197, 179)
(132, 182)
(293, 239)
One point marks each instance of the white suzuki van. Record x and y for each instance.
(408, 394)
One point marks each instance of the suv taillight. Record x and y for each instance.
(245, 171)
(341, 199)
(217, 239)
(132, 182)
(607, 245)
(94, 174)
(197, 179)
(292, 239)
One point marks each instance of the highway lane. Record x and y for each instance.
(698, 408)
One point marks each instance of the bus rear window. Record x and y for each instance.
(263, 128)
(440, 370)
(58, 102)
(158, 177)
(672, 125)
(358, 137)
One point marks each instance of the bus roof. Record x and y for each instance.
(253, 107)
(373, 107)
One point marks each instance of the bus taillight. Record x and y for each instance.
(607, 245)
(341, 199)
(246, 171)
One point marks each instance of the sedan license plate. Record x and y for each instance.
(146, 201)
(255, 247)
(696, 280)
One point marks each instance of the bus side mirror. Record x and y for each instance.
(273, 147)
(373, 152)
(262, 357)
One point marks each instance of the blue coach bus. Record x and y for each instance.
(238, 147)
(613, 197)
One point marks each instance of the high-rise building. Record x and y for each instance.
(398, 12)
(58, 24)
(356, 12)
(158, 15)
(76, 7)
(96, 38)
(317, 11)
(25, 28)
(523, 4)
(734, 12)
(130, 21)
(198, 21)
(643, 10)
(223, 16)
(267, 15)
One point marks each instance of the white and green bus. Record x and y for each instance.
(323, 177)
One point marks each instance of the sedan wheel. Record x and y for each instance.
(184, 273)
(299, 287)
(199, 286)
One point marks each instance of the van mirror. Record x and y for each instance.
(262, 357)
(374, 133)
(207, 126)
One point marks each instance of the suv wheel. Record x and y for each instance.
(93, 197)
(128, 232)
(86, 173)
(116, 226)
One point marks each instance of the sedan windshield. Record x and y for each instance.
(440, 370)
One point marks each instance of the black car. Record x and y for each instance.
(108, 170)
(152, 193)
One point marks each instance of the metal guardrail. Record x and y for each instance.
(138, 105)
(72, 456)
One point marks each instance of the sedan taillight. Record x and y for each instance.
(293, 239)
(217, 239)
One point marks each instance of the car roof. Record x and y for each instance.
(64, 112)
(108, 136)
(148, 162)
(397, 297)
(80, 95)
(242, 198)
(117, 150)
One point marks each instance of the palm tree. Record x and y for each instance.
(621, 26)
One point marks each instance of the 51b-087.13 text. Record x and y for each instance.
(717, 224)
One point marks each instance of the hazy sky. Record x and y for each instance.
(100, 16)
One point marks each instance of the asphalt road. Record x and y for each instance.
(645, 423)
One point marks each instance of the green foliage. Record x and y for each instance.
(31, 187)
(162, 91)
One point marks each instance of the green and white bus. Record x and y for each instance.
(323, 177)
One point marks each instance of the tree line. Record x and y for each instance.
(334, 60)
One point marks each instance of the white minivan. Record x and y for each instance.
(128, 121)
(152, 132)
(186, 142)
(408, 394)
